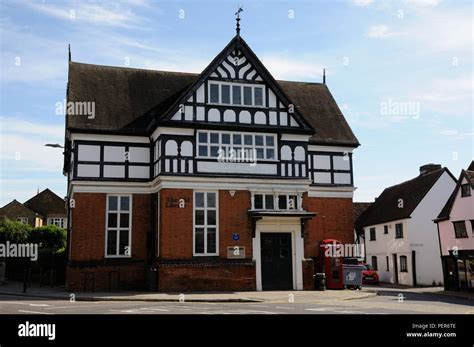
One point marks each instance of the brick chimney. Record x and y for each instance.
(424, 169)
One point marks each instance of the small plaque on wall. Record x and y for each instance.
(236, 252)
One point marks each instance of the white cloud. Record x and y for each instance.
(449, 31)
(107, 14)
(452, 134)
(446, 95)
(363, 3)
(12, 125)
(22, 146)
(381, 32)
(26, 164)
(423, 3)
(36, 59)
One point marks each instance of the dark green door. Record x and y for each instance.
(277, 267)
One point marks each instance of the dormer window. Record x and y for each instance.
(232, 94)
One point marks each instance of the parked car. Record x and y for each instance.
(369, 274)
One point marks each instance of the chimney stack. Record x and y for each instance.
(424, 169)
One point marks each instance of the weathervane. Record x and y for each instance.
(240, 9)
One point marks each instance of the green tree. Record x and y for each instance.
(14, 232)
(48, 237)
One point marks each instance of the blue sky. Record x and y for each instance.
(376, 53)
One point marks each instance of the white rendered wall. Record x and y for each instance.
(424, 234)
(387, 245)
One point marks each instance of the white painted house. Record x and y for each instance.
(401, 240)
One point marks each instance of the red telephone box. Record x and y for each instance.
(331, 265)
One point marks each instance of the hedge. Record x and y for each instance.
(47, 237)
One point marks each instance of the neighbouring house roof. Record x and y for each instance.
(123, 97)
(16, 209)
(47, 203)
(386, 206)
(358, 209)
(469, 176)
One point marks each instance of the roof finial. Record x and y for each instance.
(324, 76)
(240, 9)
(69, 51)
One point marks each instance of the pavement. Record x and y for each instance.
(385, 288)
(60, 292)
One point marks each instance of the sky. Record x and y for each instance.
(401, 72)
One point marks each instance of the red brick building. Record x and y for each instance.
(224, 180)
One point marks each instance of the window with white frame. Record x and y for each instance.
(205, 223)
(275, 202)
(236, 94)
(59, 222)
(118, 234)
(211, 144)
(23, 220)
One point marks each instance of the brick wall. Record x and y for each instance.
(176, 243)
(334, 220)
(88, 246)
(176, 225)
(106, 278)
(88, 227)
(233, 218)
(202, 276)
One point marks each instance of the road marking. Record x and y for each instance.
(243, 312)
(349, 312)
(24, 311)
(15, 302)
(73, 306)
(154, 309)
(41, 305)
(259, 306)
(324, 309)
(184, 308)
(285, 308)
